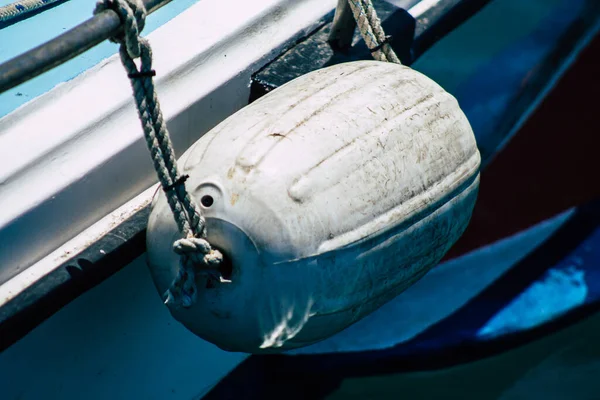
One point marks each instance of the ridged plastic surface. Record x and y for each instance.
(331, 195)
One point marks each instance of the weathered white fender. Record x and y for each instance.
(330, 196)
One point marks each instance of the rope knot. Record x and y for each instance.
(133, 17)
(196, 253)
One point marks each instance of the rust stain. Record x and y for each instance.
(234, 198)
(230, 173)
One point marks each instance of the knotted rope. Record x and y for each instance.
(371, 31)
(193, 249)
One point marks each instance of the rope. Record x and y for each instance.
(19, 8)
(193, 249)
(372, 32)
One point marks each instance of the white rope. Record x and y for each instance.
(371, 31)
(19, 8)
(193, 249)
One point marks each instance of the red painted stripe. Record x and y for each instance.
(552, 163)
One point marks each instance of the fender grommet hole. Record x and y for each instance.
(226, 267)
(207, 201)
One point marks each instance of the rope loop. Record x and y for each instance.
(133, 17)
(199, 252)
(194, 251)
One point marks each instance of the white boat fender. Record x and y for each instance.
(329, 196)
